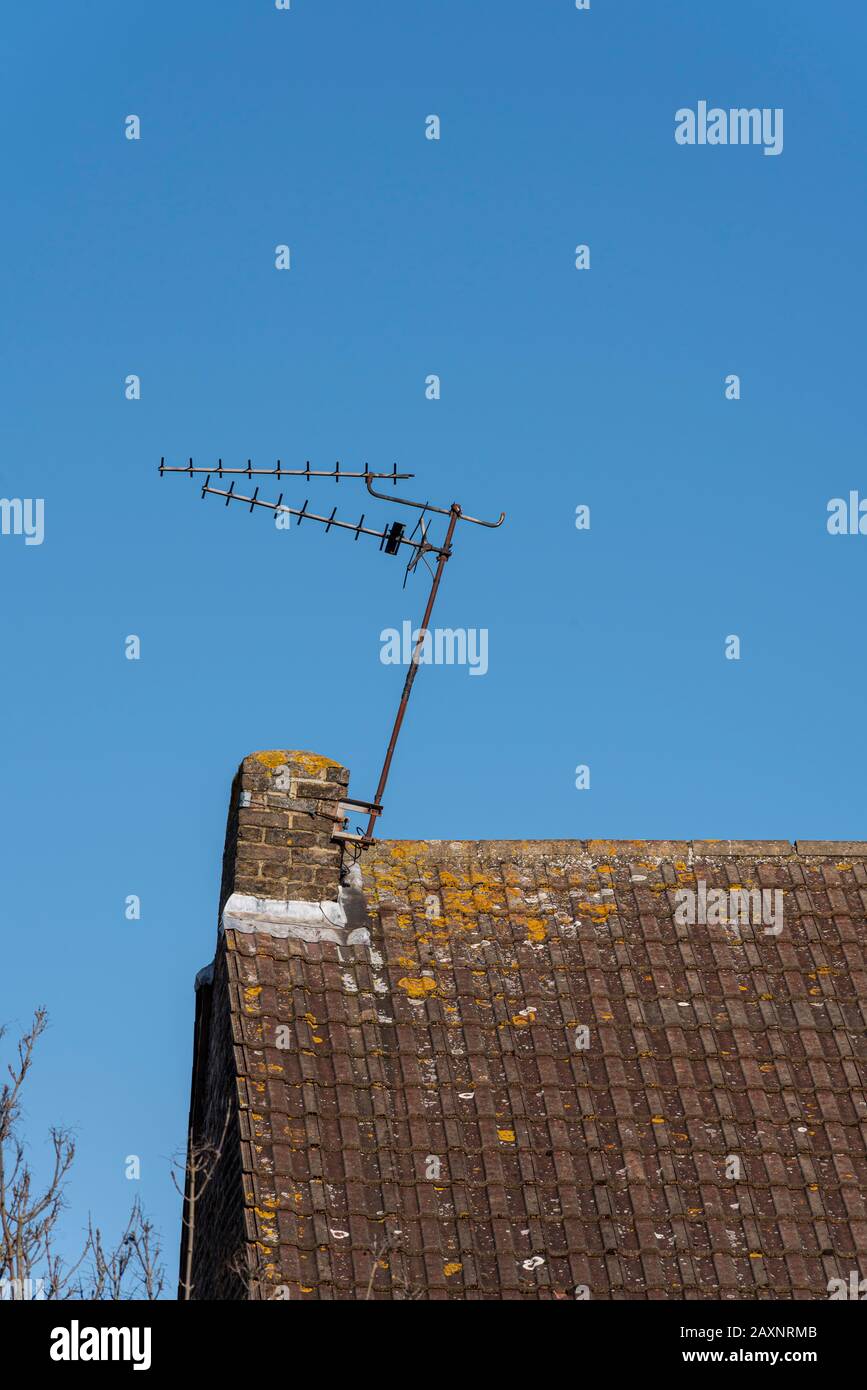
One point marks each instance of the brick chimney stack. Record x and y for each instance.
(281, 880)
(282, 815)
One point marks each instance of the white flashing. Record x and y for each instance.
(306, 921)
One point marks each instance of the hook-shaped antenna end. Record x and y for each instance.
(477, 521)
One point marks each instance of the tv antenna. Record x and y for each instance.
(393, 540)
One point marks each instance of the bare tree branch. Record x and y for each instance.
(199, 1167)
(29, 1215)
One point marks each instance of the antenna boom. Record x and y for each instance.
(389, 537)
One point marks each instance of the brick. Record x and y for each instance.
(265, 819)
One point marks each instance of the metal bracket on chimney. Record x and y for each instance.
(342, 834)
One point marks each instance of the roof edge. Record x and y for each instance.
(631, 849)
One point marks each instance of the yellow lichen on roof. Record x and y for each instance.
(417, 988)
(536, 929)
(464, 899)
(405, 849)
(598, 912)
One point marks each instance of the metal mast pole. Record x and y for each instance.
(445, 552)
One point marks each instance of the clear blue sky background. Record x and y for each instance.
(409, 257)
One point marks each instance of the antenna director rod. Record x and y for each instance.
(280, 472)
(304, 515)
(454, 517)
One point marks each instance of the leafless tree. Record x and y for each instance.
(133, 1269)
(30, 1211)
(198, 1167)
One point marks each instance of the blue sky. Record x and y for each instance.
(409, 257)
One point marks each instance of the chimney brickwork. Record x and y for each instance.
(278, 854)
(281, 818)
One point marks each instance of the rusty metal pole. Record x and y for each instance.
(445, 552)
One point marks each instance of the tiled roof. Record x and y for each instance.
(535, 1082)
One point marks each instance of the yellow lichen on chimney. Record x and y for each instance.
(311, 764)
(271, 760)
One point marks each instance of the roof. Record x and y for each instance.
(538, 1078)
